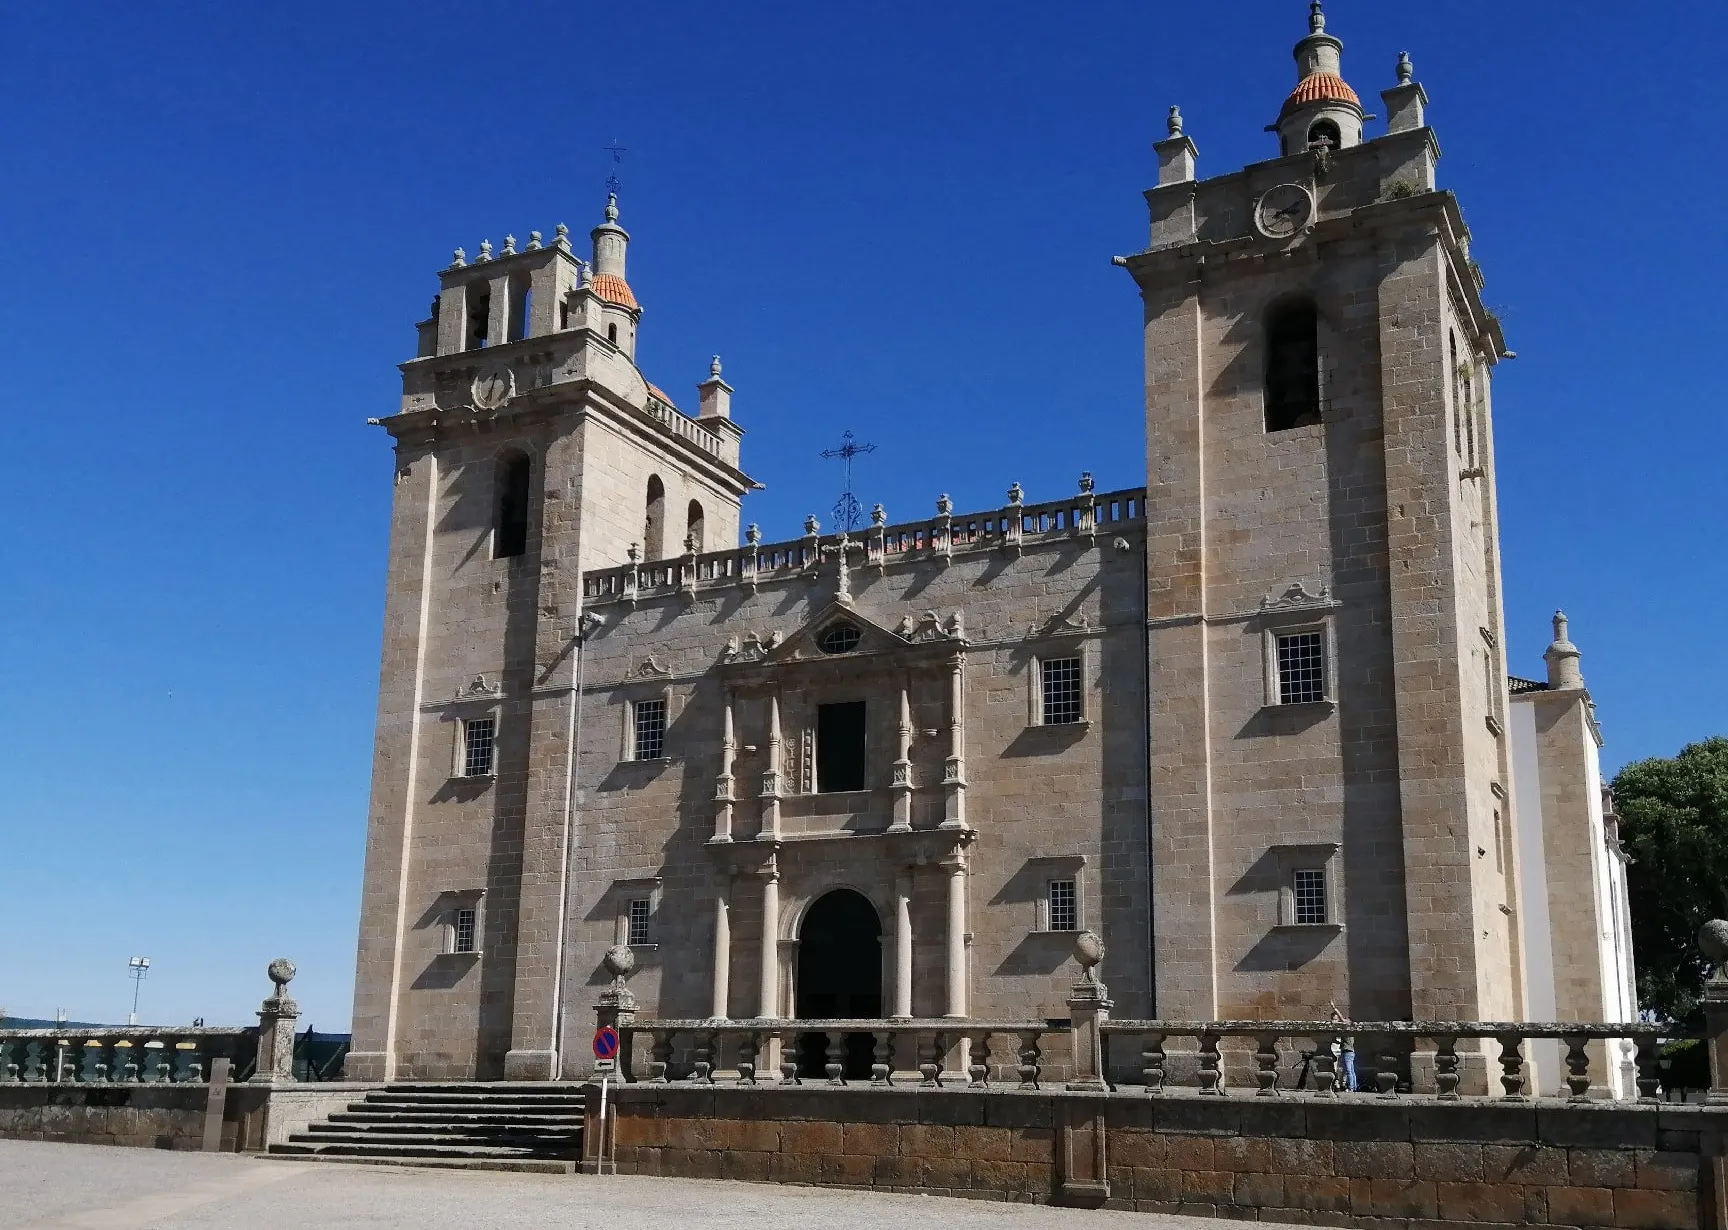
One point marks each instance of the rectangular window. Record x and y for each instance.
(648, 741)
(1059, 688)
(1064, 906)
(840, 747)
(462, 932)
(479, 746)
(1309, 885)
(1301, 667)
(637, 931)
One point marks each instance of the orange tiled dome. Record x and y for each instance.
(614, 289)
(1319, 87)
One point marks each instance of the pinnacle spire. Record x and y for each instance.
(1316, 18)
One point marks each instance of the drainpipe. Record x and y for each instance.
(585, 627)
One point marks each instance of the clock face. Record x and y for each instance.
(1283, 211)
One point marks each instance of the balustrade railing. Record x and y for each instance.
(1391, 1058)
(942, 537)
(682, 426)
(124, 1056)
(928, 1053)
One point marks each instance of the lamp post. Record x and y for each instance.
(139, 967)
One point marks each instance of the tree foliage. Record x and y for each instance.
(1674, 823)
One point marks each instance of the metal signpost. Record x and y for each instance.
(605, 1063)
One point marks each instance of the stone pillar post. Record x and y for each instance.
(954, 774)
(770, 826)
(1089, 1006)
(903, 946)
(955, 866)
(723, 788)
(617, 1005)
(770, 993)
(1713, 942)
(722, 947)
(902, 784)
(276, 1029)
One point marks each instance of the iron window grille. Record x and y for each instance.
(650, 730)
(839, 638)
(636, 932)
(1309, 886)
(462, 932)
(1059, 688)
(1301, 667)
(479, 746)
(1064, 906)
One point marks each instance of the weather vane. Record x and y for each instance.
(848, 514)
(617, 151)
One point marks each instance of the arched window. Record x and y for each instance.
(612, 334)
(654, 520)
(1324, 134)
(694, 525)
(479, 314)
(1293, 367)
(510, 524)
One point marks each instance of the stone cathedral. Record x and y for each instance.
(1252, 722)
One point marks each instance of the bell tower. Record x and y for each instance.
(1327, 742)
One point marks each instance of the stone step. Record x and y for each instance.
(485, 1132)
(554, 1146)
(396, 1149)
(477, 1123)
(410, 1100)
(530, 1165)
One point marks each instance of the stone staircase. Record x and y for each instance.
(466, 1126)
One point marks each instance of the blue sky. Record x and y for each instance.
(223, 221)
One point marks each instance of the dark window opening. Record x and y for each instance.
(654, 521)
(694, 526)
(1325, 135)
(1309, 888)
(1301, 668)
(839, 638)
(510, 535)
(563, 316)
(479, 314)
(612, 334)
(649, 730)
(479, 740)
(838, 976)
(840, 747)
(521, 304)
(1293, 368)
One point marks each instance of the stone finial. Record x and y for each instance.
(459, 259)
(1086, 483)
(276, 1017)
(1316, 18)
(509, 245)
(811, 525)
(1406, 70)
(752, 533)
(533, 241)
(281, 972)
(944, 505)
(878, 515)
(635, 553)
(1175, 121)
(714, 368)
(612, 207)
(561, 237)
(485, 251)
(1016, 494)
(1562, 658)
(619, 962)
(690, 544)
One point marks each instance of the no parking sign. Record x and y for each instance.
(606, 1049)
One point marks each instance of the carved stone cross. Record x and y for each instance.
(839, 550)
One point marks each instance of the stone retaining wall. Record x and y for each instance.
(1353, 1162)
(152, 1116)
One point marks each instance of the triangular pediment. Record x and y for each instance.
(824, 637)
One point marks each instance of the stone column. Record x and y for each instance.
(723, 792)
(770, 991)
(902, 785)
(1089, 1007)
(903, 946)
(722, 947)
(954, 774)
(276, 1029)
(770, 829)
(955, 866)
(1713, 942)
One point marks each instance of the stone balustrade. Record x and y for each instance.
(944, 537)
(766, 1051)
(683, 426)
(126, 1055)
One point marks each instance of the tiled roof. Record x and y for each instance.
(1319, 87)
(614, 289)
(655, 390)
(1521, 686)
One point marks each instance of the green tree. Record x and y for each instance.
(1674, 823)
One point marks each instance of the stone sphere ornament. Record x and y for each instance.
(1089, 951)
(281, 972)
(1713, 942)
(619, 961)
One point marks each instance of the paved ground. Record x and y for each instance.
(93, 1187)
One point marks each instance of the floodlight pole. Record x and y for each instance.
(138, 968)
